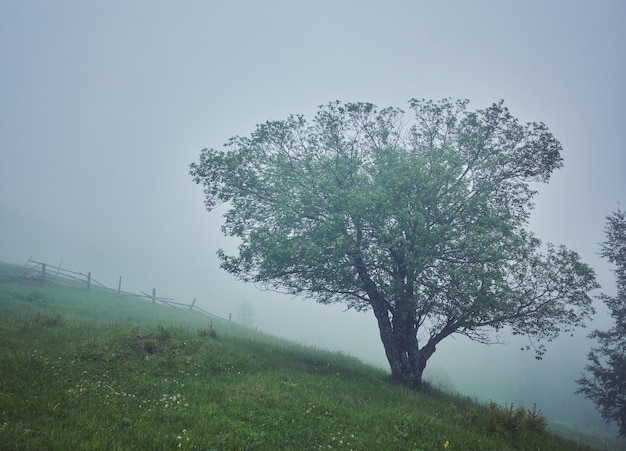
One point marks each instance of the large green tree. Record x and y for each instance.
(606, 383)
(421, 221)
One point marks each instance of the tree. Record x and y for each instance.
(607, 385)
(421, 224)
(246, 314)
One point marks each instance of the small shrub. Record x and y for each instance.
(207, 332)
(535, 421)
(141, 344)
(471, 413)
(512, 422)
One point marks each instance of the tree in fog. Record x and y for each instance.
(421, 221)
(245, 314)
(606, 384)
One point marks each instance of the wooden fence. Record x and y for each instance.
(45, 271)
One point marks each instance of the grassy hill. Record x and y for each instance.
(87, 369)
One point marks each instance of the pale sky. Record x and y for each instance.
(103, 106)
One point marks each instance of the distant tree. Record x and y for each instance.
(422, 224)
(606, 386)
(246, 314)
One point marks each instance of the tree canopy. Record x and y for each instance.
(606, 385)
(422, 221)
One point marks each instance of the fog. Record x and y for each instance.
(104, 105)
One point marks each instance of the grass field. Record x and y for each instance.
(90, 370)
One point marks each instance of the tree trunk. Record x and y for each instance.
(385, 326)
(389, 343)
(406, 361)
(399, 336)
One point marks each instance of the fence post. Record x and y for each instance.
(88, 279)
(43, 270)
(119, 287)
(154, 295)
(229, 317)
(192, 304)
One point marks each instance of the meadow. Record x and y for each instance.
(90, 370)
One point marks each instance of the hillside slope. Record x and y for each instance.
(86, 369)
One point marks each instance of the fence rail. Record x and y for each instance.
(45, 271)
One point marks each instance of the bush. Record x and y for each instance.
(207, 332)
(512, 422)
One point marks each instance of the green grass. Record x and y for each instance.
(90, 370)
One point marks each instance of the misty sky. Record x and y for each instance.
(103, 106)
